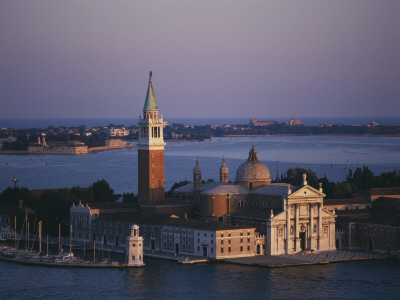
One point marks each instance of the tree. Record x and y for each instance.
(342, 190)
(11, 196)
(102, 192)
(295, 177)
(129, 197)
(175, 186)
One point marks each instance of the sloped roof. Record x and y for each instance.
(150, 103)
(202, 224)
(188, 188)
(346, 201)
(134, 219)
(253, 213)
(225, 188)
(385, 191)
(275, 189)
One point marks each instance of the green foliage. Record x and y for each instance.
(342, 190)
(102, 192)
(295, 177)
(129, 198)
(21, 143)
(94, 140)
(11, 196)
(175, 186)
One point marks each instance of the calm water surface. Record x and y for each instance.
(325, 155)
(162, 279)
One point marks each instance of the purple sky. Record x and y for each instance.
(262, 59)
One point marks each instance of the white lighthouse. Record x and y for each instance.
(134, 251)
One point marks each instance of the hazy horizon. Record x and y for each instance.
(264, 59)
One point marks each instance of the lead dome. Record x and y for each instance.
(253, 170)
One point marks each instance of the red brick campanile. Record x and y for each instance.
(151, 186)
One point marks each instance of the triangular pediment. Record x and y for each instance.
(306, 192)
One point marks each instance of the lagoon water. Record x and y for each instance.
(162, 279)
(326, 155)
(168, 280)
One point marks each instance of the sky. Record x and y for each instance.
(210, 59)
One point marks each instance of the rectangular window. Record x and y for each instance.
(229, 249)
(229, 241)
(222, 242)
(222, 235)
(241, 248)
(222, 249)
(241, 240)
(248, 240)
(248, 247)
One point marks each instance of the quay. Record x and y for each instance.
(302, 259)
(78, 264)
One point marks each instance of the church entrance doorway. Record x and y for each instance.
(302, 236)
(258, 249)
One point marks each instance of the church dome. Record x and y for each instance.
(252, 169)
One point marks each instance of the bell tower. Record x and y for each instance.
(151, 186)
(223, 172)
(197, 176)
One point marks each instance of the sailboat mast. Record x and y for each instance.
(26, 232)
(15, 231)
(59, 239)
(40, 236)
(70, 239)
(28, 235)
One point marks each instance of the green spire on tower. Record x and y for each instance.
(150, 103)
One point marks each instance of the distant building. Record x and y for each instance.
(115, 143)
(256, 123)
(119, 131)
(294, 122)
(71, 147)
